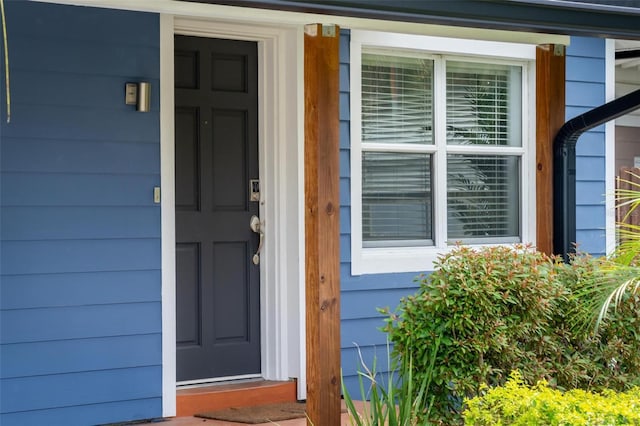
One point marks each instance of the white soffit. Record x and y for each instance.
(277, 17)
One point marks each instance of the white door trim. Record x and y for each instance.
(281, 156)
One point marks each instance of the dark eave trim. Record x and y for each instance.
(554, 17)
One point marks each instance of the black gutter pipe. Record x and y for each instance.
(564, 167)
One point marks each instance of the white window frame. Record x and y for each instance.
(372, 260)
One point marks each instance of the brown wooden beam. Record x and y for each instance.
(550, 116)
(322, 228)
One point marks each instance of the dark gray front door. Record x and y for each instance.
(216, 152)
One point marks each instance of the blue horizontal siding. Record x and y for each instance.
(60, 256)
(345, 226)
(362, 331)
(63, 390)
(80, 284)
(47, 223)
(345, 128)
(104, 413)
(590, 192)
(78, 322)
(364, 303)
(585, 88)
(592, 241)
(115, 123)
(590, 216)
(95, 25)
(77, 289)
(375, 282)
(587, 47)
(56, 189)
(79, 156)
(591, 144)
(100, 91)
(78, 355)
(590, 168)
(581, 69)
(98, 57)
(585, 94)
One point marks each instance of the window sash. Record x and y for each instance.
(397, 199)
(397, 99)
(499, 125)
(483, 198)
(484, 104)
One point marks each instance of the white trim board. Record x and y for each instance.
(610, 150)
(279, 18)
(280, 57)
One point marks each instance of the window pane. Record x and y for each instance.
(483, 198)
(397, 99)
(484, 104)
(396, 199)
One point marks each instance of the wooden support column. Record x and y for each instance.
(322, 228)
(550, 116)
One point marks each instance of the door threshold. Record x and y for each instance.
(243, 393)
(218, 380)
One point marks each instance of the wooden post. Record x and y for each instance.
(550, 116)
(322, 228)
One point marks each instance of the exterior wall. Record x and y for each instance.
(585, 89)
(627, 147)
(80, 235)
(361, 295)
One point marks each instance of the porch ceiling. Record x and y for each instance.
(612, 19)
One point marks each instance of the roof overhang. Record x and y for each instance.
(298, 13)
(610, 18)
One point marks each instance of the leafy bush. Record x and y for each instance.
(518, 404)
(500, 309)
(606, 357)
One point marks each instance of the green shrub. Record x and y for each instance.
(491, 309)
(518, 404)
(501, 309)
(606, 358)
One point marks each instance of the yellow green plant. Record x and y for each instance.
(515, 403)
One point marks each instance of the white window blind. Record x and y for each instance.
(484, 105)
(483, 203)
(396, 198)
(477, 163)
(397, 99)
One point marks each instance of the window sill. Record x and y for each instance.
(399, 259)
(394, 259)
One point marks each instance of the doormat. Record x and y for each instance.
(259, 413)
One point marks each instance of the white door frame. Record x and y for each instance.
(281, 159)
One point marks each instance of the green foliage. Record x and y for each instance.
(500, 309)
(404, 401)
(607, 287)
(515, 403)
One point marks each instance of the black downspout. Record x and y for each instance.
(564, 167)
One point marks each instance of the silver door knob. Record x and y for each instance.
(256, 226)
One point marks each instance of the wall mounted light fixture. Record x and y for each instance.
(138, 94)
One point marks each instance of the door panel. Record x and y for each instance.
(217, 293)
